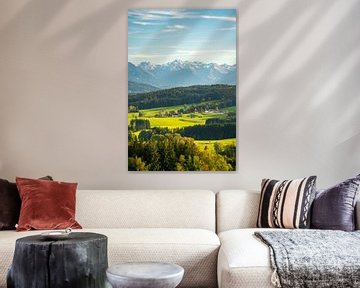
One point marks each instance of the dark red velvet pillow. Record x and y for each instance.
(46, 204)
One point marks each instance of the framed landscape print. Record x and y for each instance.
(182, 90)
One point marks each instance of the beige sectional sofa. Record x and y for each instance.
(173, 226)
(177, 226)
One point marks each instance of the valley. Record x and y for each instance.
(183, 129)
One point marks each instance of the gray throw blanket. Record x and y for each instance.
(313, 258)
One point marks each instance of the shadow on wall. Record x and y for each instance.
(277, 50)
(303, 77)
(89, 30)
(46, 11)
(86, 32)
(298, 66)
(274, 41)
(289, 53)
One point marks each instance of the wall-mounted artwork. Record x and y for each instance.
(181, 89)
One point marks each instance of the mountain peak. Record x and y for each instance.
(182, 73)
(178, 61)
(147, 65)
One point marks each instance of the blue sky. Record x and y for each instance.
(163, 35)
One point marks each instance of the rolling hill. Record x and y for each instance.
(136, 87)
(222, 95)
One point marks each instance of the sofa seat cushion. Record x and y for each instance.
(244, 261)
(194, 249)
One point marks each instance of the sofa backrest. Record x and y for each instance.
(236, 209)
(239, 209)
(146, 209)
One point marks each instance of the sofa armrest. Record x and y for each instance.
(357, 215)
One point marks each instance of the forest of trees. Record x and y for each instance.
(214, 129)
(224, 94)
(139, 124)
(209, 132)
(172, 152)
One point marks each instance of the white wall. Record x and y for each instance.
(63, 92)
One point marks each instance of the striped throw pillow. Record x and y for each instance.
(286, 204)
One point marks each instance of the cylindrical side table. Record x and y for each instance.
(145, 275)
(78, 261)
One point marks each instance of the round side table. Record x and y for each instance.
(78, 261)
(145, 275)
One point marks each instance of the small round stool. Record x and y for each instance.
(145, 275)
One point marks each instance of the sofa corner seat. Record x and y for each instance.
(243, 261)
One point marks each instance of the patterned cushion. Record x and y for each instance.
(286, 204)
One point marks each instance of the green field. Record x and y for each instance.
(210, 143)
(152, 112)
(176, 121)
(171, 122)
(184, 120)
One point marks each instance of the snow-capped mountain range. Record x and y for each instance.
(181, 73)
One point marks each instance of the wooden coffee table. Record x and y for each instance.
(145, 275)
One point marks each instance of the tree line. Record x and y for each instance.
(225, 95)
(214, 129)
(209, 132)
(172, 152)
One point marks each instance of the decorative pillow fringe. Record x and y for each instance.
(275, 280)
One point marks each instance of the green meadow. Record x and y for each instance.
(209, 144)
(184, 120)
(197, 134)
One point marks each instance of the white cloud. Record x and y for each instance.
(157, 14)
(174, 28)
(223, 18)
(143, 23)
(165, 12)
(174, 14)
(227, 28)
